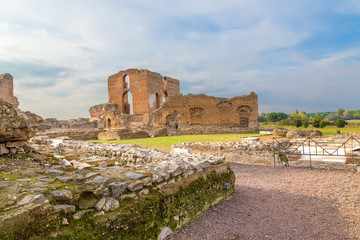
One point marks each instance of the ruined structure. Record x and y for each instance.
(140, 92)
(143, 101)
(205, 114)
(7, 89)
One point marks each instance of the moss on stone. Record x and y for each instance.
(144, 218)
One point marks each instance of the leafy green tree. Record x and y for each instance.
(316, 121)
(281, 116)
(340, 123)
(298, 123)
(323, 123)
(340, 112)
(306, 124)
(271, 117)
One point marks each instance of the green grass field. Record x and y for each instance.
(328, 130)
(165, 143)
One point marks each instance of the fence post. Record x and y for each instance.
(274, 150)
(310, 151)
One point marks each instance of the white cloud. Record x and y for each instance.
(221, 48)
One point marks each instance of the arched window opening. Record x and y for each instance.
(244, 122)
(127, 103)
(126, 81)
(165, 95)
(157, 101)
(108, 123)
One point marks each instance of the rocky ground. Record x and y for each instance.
(283, 203)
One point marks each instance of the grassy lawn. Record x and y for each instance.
(165, 143)
(328, 130)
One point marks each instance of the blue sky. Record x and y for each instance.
(298, 54)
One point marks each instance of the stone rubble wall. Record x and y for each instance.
(16, 128)
(93, 199)
(256, 153)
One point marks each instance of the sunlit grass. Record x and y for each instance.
(165, 143)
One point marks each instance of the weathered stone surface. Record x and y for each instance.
(279, 132)
(107, 204)
(87, 200)
(134, 176)
(66, 163)
(80, 214)
(165, 232)
(134, 186)
(65, 208)
(117, 188)
(54, 172)
(62, 195)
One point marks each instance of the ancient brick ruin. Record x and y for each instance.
(141, 100)
(205, 114)
(140, 92)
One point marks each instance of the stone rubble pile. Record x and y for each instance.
(97, 176)
(16, 128)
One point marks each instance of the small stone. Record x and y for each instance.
(134, 176)
(127, 196)
(91, 174)
(102, 191)
(165, 232)
(46, 180)
(80, 214)
(64, 221)
(134, 186)
(99, 214)
(55, 172)
(144, 192)
(107, 204)
(117, 188)
(111, 204)
(62, 195)
(65, 208)
(100, 179)
(66, 163)
(100, 204)
(102, 164)
(65, 178)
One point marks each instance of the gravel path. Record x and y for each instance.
(283, 203)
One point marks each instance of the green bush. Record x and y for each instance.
(323, 123)
(298, 123)
(316, 122)
(340, 123)
(306, 124)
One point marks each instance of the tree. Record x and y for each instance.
(323, 123)
(340, 123)
(271, 117)
(306, 124)
(298, 123)
(281, 116)
(262, 118)
(316, 121)
(285, 122)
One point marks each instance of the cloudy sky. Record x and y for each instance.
(299, 54)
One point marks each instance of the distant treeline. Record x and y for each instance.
(304, 117)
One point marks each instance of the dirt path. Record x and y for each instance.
(283, 203)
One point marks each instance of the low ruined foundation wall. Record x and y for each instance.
(258, 153)
(209, 129)
(157, 193)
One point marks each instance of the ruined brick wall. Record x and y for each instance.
(6, 88)
(147, 89)
(192, 112)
